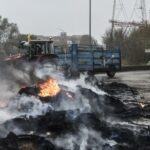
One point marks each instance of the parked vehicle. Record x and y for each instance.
(75, 58)
(90, 59)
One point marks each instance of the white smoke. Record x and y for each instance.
(81, 140)
(29, 106)
(79, 101)
(24, 105)
(42, 71)
(12, 79)
(32, 106)
(51, 71)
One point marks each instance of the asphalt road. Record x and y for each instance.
(138, 79)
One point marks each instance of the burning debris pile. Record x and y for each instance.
(82, 114)
(49, 88)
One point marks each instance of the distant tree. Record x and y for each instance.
(4, 24)
(9, 33)
(119, 41)
(132, 45)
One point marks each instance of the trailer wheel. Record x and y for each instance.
(110, 74)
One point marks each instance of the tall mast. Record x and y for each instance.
(113, 18)
(143, 11)
(90, 18)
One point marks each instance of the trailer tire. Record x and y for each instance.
(111, 74)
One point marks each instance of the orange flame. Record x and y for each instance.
(49, 88)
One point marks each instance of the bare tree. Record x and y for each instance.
(132, 46)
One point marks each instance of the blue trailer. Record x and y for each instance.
(90, 59)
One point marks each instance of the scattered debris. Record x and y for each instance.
(110, 120)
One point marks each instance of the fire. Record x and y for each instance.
(49, 88)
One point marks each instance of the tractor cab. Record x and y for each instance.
(38, 50)
(37, 47)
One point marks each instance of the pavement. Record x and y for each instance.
(137, 79)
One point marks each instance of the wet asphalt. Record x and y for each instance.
(137, 79)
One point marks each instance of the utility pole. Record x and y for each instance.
(149, 16)
(143, 12)
(113, 24)
(90, 19)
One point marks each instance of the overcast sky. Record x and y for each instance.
(50, 17)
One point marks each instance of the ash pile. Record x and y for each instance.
(82, 114)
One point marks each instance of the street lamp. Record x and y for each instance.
(90, 17)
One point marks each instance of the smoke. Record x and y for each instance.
(24, 106)
(29, 106)
(79, 101)
(19, 105)
(81, 140)
(49, 70)
(11, 80)
(84, 138)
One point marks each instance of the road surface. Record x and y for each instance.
(138, 79)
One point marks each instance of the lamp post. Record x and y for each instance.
(90, 18)
(63, 38)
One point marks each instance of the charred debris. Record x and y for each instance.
(113, 116)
